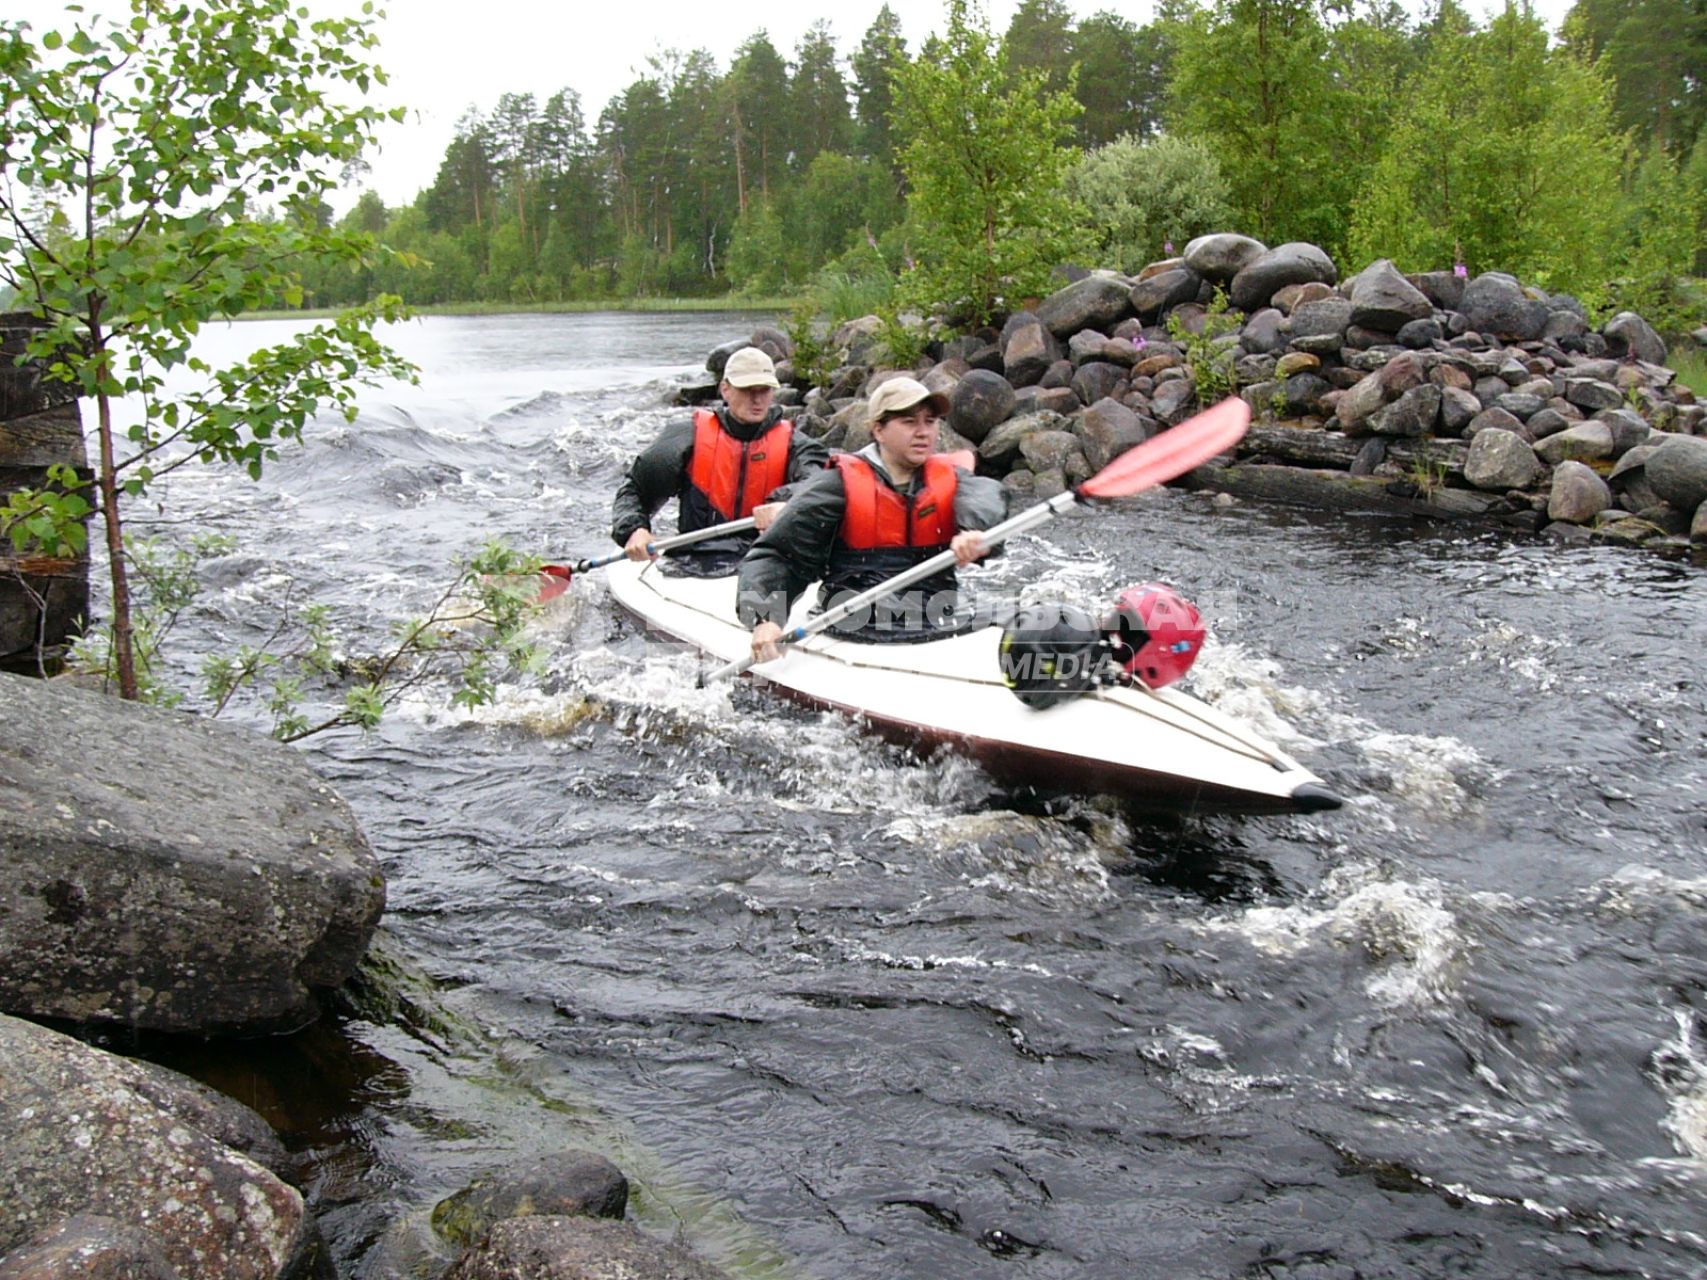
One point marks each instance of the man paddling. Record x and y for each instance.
(723, 464)
(873, 514)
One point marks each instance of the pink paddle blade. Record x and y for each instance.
(1173, 453)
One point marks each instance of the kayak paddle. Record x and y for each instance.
(1160, 459)
(560, 574)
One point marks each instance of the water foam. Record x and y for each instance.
(1403, 929)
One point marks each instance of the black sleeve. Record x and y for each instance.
(653, 479)
(792, 553)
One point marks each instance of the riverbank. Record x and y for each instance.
(593, 306)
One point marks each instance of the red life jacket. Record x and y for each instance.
(877, 516)
(735, 476)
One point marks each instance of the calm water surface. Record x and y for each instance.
(843, 1013)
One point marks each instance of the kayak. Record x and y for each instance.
(1159, 750)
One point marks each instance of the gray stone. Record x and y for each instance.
(1421, 333)
(981, 401)
(1383, 299)
(1049, 450)
(1173, 401)
(1360, 403)
(80, 1134)
(1027, 352)
(1495, 305)
(1096, 302)
(1154, 296)
(1628, 334)
(1457, 409)
(1501, 460)
(1698, 524)
(1085, 346)
(1108, 429)
(1564, 324)
(89, 1246)
(1628, 428)
(1321, 344)
(1546, 423)
(1293, 296)
(1048, 484)
(1030, 400)
(1585, 442)
(1097, 380)
(1413, 414)
(576, 1183)
(1329, 316)
(1592, 394)
(1303, 392)
(169, 872)
(1495, 420)
(1223, 255)
(1255, 368)
(1520, 404)
(1059, 374)
(1578, 495)
(1294, 263)
(1264, 332)
(1677, 469)
(1445, 289)
(569, 1248)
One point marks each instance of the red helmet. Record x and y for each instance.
(1156, 633)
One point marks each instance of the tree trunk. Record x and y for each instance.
(123, 647)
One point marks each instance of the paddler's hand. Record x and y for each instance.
(765, 646)
(765, 514)
(639, 544)
(967, 547)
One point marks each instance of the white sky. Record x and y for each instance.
(445, 56)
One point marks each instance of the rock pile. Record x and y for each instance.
(1430, 393)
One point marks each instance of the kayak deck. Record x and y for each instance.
(1157, 749)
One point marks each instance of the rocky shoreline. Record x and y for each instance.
(1432, 394)
(165, 874)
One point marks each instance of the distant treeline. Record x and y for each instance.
(1572, 162)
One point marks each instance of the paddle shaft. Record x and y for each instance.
(1030, 518)
(661, 545)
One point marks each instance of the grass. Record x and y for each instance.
(1691, 367)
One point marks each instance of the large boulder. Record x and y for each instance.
(1585, 442)
(1154, 296)
(998, 450)
(167, 872)
(86, 1134)
(1677, 469)
(1028, 349)
(1499, 460)
(1578, 495)
(1627, 334)
(1383, 299)
(1495, 306)
(981, 400)
(1222, 256)
(1108, 429)
(1096, 302)
(1294, 263)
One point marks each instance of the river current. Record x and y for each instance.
(847, 1014)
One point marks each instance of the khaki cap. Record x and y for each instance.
(750, 367)
(901, 394)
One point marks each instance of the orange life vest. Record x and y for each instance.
(877, 516)
(735, 476)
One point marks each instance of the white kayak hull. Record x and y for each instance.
(1160, 750)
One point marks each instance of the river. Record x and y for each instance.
(842, 1013)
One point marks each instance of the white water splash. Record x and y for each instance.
(1404, 930)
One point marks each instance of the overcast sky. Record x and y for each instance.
(445, 57)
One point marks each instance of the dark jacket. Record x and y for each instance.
(801, 548)
(661, 473)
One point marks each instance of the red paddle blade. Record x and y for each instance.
(1173, 453)
(553, 582)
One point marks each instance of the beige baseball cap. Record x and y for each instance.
(899, 395)
(750, 367)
